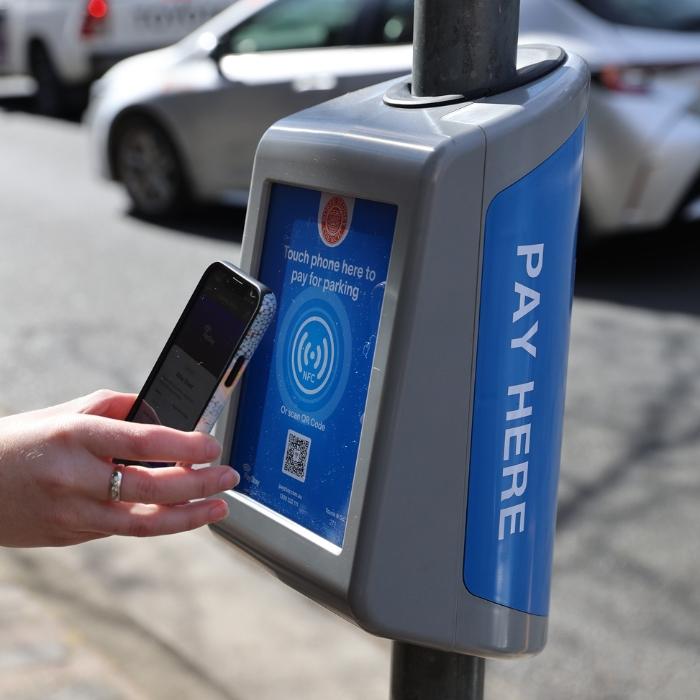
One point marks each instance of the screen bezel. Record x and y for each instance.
(233, 278)
(286, 546)
(289, 521)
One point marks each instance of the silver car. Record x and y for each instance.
(642, 160)
(183, 122)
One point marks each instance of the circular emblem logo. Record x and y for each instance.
(334, 221)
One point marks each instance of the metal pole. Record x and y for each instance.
(460, 47)
(419, 673)
(464, 47)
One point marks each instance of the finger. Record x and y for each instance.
(103, 402)
(171, 485)
(167, 485)
(107, 403)
(107, 438)
(82, 537)
(139, 520)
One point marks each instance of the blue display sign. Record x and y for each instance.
(302, 404)
(522, 351)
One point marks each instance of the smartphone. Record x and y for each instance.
(207, 352)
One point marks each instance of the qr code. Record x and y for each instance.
(296, 455)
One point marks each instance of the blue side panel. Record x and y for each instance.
(303, 398)
(523, 338)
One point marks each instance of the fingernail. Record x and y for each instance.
(218, 511)
(213, 449)
(229, 480)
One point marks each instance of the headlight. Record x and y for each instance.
(632, 79)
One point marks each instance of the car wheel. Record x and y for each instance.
(148, 166)
(50, 90)
(52, 96)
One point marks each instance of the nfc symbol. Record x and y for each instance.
(313, 355)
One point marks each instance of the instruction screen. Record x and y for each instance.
(303, 399)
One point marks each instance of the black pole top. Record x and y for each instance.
(464, 47)
(466, 50)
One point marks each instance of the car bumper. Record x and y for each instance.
(670, 177)
(642, 158)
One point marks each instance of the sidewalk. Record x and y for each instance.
(184, 617)
(41, 658)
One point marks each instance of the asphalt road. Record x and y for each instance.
(89, 293)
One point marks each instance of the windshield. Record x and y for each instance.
(681, 15)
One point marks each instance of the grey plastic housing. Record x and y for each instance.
(399, 573)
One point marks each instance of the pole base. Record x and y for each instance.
(534, 62)
(419, 673)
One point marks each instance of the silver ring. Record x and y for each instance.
(115, 485)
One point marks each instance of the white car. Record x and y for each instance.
(184, 122)
(642, 158)
(65, 44)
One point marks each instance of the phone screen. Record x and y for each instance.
(198, 352)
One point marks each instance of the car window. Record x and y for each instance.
(682, 15)
(395, 22)
(297, 24)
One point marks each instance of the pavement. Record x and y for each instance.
(179, 617)
(44, 657)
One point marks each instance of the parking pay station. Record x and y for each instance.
(398, 432)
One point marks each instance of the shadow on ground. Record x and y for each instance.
(212, 221)
(18, 103)
(24, 102)
(657, 270)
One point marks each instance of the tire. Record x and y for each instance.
(52, 95)
(147, 164)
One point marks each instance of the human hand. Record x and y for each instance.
(55, 468)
